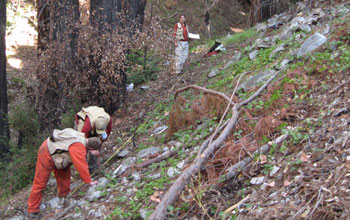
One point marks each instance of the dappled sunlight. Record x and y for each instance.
(236, 30)
(15, 63)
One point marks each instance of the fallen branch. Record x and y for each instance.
(237, 204)
(237, 167)
(174, 191)
(220, 94)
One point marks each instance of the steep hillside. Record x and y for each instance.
(286, 158)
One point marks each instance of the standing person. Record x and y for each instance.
(181, 43)
(93, 121)
(57, 153)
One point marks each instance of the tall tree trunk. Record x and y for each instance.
(58, 37)
(4, 128)
(136, 14)
(104, 12)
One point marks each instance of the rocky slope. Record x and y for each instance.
(304, 176)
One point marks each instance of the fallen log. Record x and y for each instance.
(238, 167)
(176, 188)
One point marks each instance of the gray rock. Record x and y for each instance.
(42, 206)
(124, 166)
(261, 44)
(284, 64)
(264, 186)
(180, 165)
(98, 213)
(172, 172)
(160, 129)
(274, 170)
(273, 195)
(123, 153)
(102, 182)
(311, 20)
(145, 87)
(77, 216)
(257, 180)
(143, 213)
(148, 152)
(298, 21)
(306, 28)
(326, 30)
(136, 176)
(252, 81)
(311, 44)
(234, 59)
(155, 176)
(253, 54)
(51, 182)
(213, 73)
(275, 51)
(261, 27)
(55, 203)
(93, 194)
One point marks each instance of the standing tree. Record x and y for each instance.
(58, 42)
(4, 129)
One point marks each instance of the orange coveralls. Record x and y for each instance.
(44, 167)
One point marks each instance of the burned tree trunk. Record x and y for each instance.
(58, 36)
(4, 129)
(103, 13)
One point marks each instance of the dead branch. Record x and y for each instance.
(237, 204)
(174, 191)
(222, 95)
(237, 167)
(156, 160)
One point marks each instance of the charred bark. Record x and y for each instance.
(4, 128)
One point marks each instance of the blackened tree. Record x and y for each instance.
(4, 128)
(58, 36)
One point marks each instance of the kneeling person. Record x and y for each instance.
(57, 153)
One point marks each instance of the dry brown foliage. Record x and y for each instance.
(181, 118)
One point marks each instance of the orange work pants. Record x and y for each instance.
(44, 167)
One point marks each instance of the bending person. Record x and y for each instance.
(93, 121)
(57, 153)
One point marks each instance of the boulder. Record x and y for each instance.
(311, 44)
